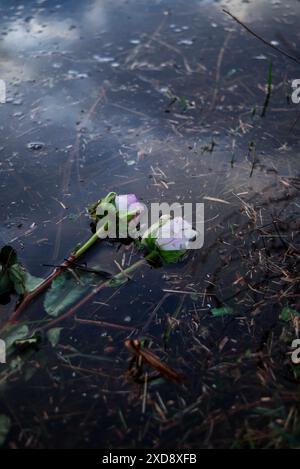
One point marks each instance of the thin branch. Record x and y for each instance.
(267, 43)
(90, 322)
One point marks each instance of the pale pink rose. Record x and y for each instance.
(172, 234)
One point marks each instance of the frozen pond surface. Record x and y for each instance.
(162, 99)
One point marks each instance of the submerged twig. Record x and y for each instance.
(218, 71)
(134, 346)
(252, 149)
(90, 322)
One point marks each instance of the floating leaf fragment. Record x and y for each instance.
(288, 313)
(223, 311)
(53, 335)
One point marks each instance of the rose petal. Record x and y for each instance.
(172, 244)
(175, 234)
(123, 202)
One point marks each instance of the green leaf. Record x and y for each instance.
(17, 333)
(18, 338)
(118, 281)
(17, 276)
(223, 311)
(288, 313)
(6, 285)
(108, 199)
(53, 335)
(66, 290)
(13, 277)
(5, 426)
(150, 235)
(149, 240)
(171, 257)
(8, 256)
(168, 257)
(31, 282)
(23, 281)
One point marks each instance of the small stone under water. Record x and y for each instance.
(35, 146)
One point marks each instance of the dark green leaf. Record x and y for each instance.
(6, 285)
(19, 339)
(8, 256)
(17, 276)
(108, 199)
(23, 281)
(16, 333)
(171, 257)
(31, 282)
(66, 290)
(118, 281)
(13, 277)
(168, 257)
